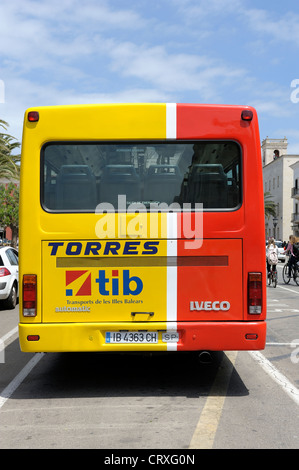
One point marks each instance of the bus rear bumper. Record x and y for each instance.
(187, 336)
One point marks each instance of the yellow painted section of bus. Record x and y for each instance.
(85, 122)
(104, 281)
(38, 227)
(71, 337)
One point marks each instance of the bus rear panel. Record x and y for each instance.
(142, 229)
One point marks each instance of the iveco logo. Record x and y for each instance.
(209, 305)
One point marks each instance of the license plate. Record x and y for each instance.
(170, 337)
(131, 337)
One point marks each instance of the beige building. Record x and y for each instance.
(278, 174)
(295, 196)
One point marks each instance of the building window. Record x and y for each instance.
(276, 154)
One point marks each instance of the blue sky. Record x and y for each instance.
(185, 51)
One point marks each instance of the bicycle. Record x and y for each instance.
(294, 273)
(272, 277)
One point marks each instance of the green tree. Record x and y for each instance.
(9, 167)
(9, 209)
(270, 206)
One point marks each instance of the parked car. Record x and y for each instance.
(9, 277)
(281, 251)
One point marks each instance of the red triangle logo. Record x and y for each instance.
(71, 276)
(85, 289)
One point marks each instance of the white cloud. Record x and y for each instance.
(270, 108)
(67, 12)
(36, 33)
(56, 38)
(293, 139)
(282, 29)
(201, 9)
(171, 71)
(21, 94)
(69, 51)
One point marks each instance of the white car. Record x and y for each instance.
(281, 251)
(9, 277)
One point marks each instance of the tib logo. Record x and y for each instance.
(128, 285)
(78, 283)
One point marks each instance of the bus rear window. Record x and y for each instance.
(76, 177)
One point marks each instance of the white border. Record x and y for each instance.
(171, 133)
(171, 121)
(171, 277)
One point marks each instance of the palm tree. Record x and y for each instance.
(270, 206)
(9, 167)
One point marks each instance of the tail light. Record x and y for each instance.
(33, 338)
(33, 116)
(247, 115)
(255, 289)
(29, 295)
(4, 272)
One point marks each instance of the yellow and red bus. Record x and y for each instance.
(141, 229)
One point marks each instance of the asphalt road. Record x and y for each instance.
(241, 400)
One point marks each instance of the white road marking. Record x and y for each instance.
(5, 341)
(291, 290)
(204, 434)
(14, 384)
(8, 335)
(277, 376)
